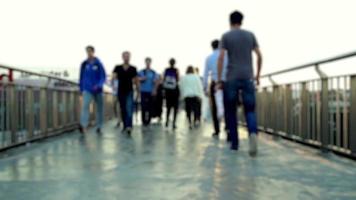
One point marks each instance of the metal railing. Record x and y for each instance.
(30, 112)
(319, 112)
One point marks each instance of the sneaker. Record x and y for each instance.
(174, 127)
(128, 130)
(253, 145)
(215, 135)
(98, 131)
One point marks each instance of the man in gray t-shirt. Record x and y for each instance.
(239, 45)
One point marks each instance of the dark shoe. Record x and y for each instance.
(118, 125)
(228, 138)
(234, 148)
(174, 127)
(128, 130)
(98, 131)
(216, 135)
(167, 124)
(81, 130)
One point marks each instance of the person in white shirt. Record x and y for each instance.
(192, 91)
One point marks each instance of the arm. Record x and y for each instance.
(200, 87)
(221, 64)
(81, 78)
(141, 77)
(178, 75)
(206, 76)
(136, 82)
(157, 82)
(102, 78)
(259, 64)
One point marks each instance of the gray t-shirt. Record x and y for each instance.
(239, 45)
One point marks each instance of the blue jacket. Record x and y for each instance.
(92, 76)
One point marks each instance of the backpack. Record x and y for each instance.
(170, 81)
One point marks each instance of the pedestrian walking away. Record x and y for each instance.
(239, 44)
(211, 73)
(192, 92)
(170, 85)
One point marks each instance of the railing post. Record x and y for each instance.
(265, 109)
(71, 108)
(304, 111)
(43, 111)
(324, 113)
(13, 112)
(325, 139)
(288, 108)
(55, 109)
(275, 109)
(29, 111)
(64, 108)
(78, 107)
(353, 115)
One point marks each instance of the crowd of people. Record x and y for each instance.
(228, 77)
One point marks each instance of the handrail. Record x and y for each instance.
(312, 64)
(38, 74)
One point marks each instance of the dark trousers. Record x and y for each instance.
(172, 101)
(127, 107)
(226, 108)
(146, 107)
(247, 89)
(214, 110)
(192, 107)
(199, 110)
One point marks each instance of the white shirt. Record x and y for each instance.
(190, 85)
(211, 68)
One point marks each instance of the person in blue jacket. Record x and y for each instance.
(91, 82)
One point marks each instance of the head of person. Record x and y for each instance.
(215, 44)
(236, 18)
(172, 62)
(126, 55)
(190, 70)
(90, 51)
(148, 62)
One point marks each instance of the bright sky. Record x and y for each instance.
(51, 34)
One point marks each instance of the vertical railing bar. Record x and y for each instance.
(324, 122)
(352, 136)
(331, 112)
(338, 120)
(318, 110)
(2, 114)
(30, 114)
(303, 111)
(345, 113)
(313, 111)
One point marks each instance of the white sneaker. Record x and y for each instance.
(253, 144)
